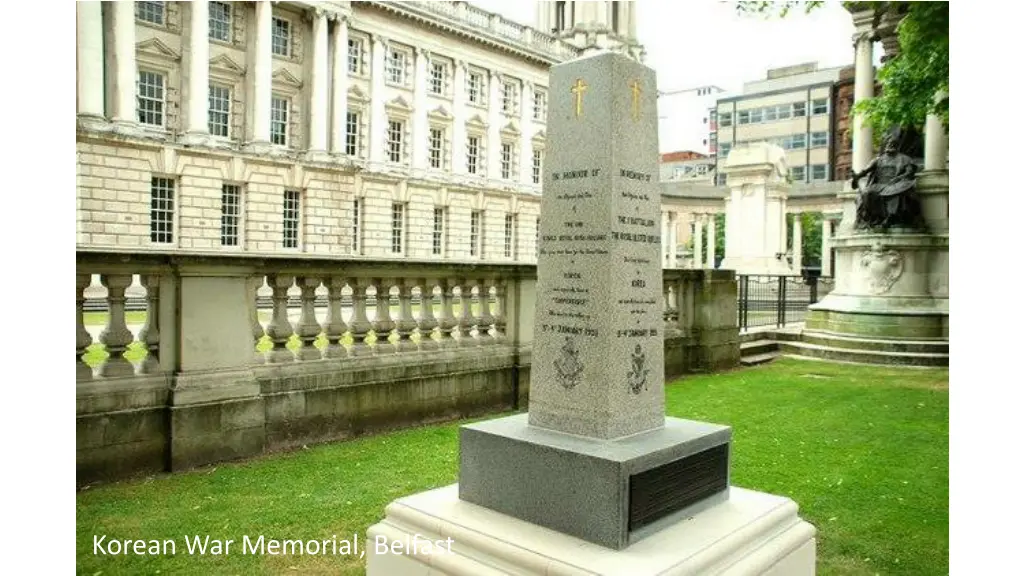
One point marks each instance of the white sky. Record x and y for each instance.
(694, 43)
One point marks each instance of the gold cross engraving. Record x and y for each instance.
(577, 89)
(635, 85)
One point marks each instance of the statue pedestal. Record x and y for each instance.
(892, 286)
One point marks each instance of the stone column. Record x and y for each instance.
(319, 81)
(826, 244)
(711, 242)
(339, 84)
(198, 112)
(798, 244)
(525, 140)
(631, 20)
(935, 141)
(698, 240)
(420, 126)
(665, 241)
(261, 75)
(125, 73)
(378, 115)
(90, 60)
(459, 123)
(863, 89)
(494, 119)
(673, 240)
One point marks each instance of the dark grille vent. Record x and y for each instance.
(661, 491)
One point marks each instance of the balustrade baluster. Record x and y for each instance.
(447, 322)
(280, 327)
(382, 322)
(427, 322)
(484, 320)
(501, 317)
(359, 325)
(150, 333)
(334, 326)
(82, 337)
(406, 323)
(116, 336)
(308, 327)
(466, 320)
(253, 285)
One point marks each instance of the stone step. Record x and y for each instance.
(758, 347)
(808, 350)
(756, 359)
(878, 345)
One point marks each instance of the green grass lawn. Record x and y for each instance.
(862, 450)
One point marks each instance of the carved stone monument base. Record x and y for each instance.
(751, 533)
(892, 286)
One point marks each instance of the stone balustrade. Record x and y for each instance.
(206, 375)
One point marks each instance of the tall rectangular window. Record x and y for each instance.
(230, 214)
(150, 94)
(292, 209)
(473, 154)
(724, 148)
(352, 133)
(540, 105)
(506, 160)
(743, 117)
(756, 115)
(281, 37)
(509, 94)
(510, 221)
(355, 226)
(395, 67)
(819, 139)
(436, 147)
(355, 55)
(220, 21)
(819, 106)
(152, 12)
(799, 109)
(798, 173)
(220, 111)
(397, 226)
(474, 233)
(279, 121)
(771, 113)
(395, 129)
(797, 142)
(438, 71)
(161, 210)
(475, 83)
(785, 111)
(438, 240)
(537, 159)
(819, 172)
(725, 119)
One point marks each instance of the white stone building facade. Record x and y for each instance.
(352, 129)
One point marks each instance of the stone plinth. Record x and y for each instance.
(593, 489)
(755, 210)
(751, 533)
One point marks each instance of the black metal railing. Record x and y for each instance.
(774, 300)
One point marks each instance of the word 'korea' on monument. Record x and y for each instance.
(596, 458)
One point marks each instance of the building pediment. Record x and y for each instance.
(476, 122)
(357, 95)
(539, 136)
(286, 78)
(440, 113)
(224, 64)
(510, 129)
(157, 48)
(399, 104)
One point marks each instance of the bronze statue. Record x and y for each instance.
(890, 197)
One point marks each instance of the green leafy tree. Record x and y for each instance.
(911, 79)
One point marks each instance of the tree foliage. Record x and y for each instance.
(911, 79)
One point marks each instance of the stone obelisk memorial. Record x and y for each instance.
(595, 479)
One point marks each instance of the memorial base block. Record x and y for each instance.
(751, 533)
(609, 492)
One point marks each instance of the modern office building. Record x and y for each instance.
(794, 108)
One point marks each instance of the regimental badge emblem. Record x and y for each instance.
(637, 376)
(568, 366)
